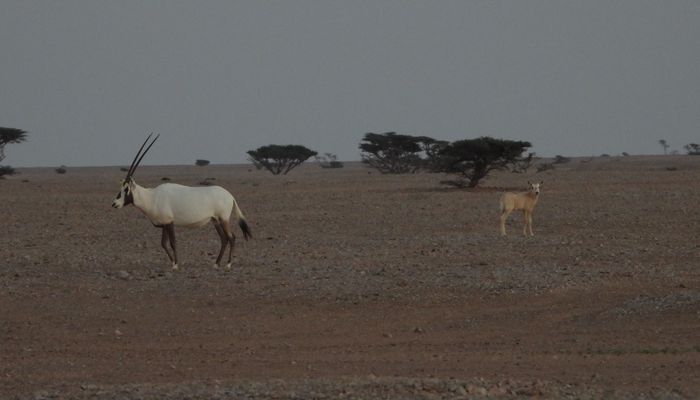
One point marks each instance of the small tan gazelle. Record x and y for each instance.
(524, 201)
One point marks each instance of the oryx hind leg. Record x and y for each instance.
(230, 237)
(224, 240)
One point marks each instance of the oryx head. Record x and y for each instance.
(125, 195)
(535, 187)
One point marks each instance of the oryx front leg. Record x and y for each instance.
(169, 237)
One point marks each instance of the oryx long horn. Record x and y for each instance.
(136, 162)
(131, 167)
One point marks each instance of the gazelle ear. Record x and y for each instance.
(541, 182)
(528, 182)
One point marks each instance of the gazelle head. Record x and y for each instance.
(125, 195)
(535, 187)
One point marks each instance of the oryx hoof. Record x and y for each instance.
(175, 267)
(228, 266)
(215, 266)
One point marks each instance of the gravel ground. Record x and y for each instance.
(357, 285)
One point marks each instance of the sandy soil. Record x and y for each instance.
(357, 285)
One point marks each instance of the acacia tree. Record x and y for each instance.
(7, 136)
(280, 159)
(693, 149)
(665, 145)
(431, 148)
(473, 159)
(392, 153)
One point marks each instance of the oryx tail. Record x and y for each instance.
(242, 222)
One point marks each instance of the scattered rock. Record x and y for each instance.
(124, 275)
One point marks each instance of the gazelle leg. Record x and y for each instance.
(526, 218)
(529, 223)
(230, 237)
(504, 217)
(170, 229)
(224, 241)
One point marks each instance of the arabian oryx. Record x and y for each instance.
(524, 201)
(170, 204)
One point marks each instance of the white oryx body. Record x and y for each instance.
(170, 205)
(185, 206)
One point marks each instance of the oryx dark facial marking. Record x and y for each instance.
(128, 196)
(125, 196)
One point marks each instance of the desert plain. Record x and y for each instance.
(357, 285)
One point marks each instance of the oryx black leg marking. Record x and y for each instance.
(170, 229)
(164, 243)
(223, 237)
(228, 235)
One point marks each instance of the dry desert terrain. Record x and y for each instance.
(357, 285)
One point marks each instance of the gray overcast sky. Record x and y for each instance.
(90, 79)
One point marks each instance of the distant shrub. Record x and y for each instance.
(693, 149)
(124, 169)
(391, 153)
(280, 159)
(8, 136)
(207, 182)
(625, 154)
(473, 159)
(61, 170)
(522, 165)
(201, 163)
(561, 159)
(165, 178)
(545, 167)
(329, 160)
(605, 155)
(6, 170)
